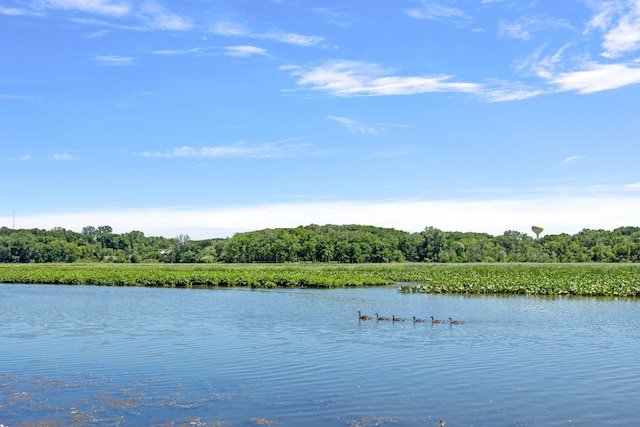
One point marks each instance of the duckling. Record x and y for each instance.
(397, 319)
(381, 318)
(363, 317)
(417, 320)
(436, 320)
(455, 322)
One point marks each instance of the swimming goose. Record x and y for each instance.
(397, 319)
(417, 320)
(381, 318)
(455, 322)
(436, 320)
(363, 317)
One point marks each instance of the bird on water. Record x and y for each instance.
(381, 318)
(436, 320)
(363, 317)
(455, 322)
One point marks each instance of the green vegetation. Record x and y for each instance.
(591, 279)
(349, 244)
(620, 280)
(193, 275)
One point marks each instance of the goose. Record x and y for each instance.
(417, 320)
(381, 318)
(442, 423)
(436, 320)
(455, 322)
(397, 319)
(363, 317)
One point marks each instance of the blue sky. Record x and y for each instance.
(208, 118)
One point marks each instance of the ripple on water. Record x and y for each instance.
(130, 356)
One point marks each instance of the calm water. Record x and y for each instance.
(239, 357)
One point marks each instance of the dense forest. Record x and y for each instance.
(315, 243)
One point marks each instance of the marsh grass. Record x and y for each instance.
(592, 279)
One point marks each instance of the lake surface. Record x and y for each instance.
(103, 356)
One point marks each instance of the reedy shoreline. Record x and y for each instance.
(584, 279)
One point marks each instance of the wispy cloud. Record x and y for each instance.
(16, 11)
(634, 186)
(579, 74)
(190, 51)
(619, 20)
(148, 15)
(439, 10)
(241, 149)
(114, 60)
(334, 17)
(157, 17)
(506, 95)
(571, 159)
(100, 7)
(525, 27)
(230, 29)
(17, 97)
(236, 29)
(354, 78)
(353, 125)
(240, 51)
(245, 51)
(96, 34)
(63, 157)
(598, 77)
(103, 23)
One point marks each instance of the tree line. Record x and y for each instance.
(318, 244)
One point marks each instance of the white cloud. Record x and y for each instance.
(191, 51)
(244, 50)
(539, 65)
(15, 11)
(63, 157)
(505, 91)
(438, 10)
(149, 14)
(598, 77)
(571, 159)
(525, 27)
(521, 29)
(240, 149)
(582, 75)
(101, 7)
(557, 214)
(353, 125)
(114, 60)
(230, 28)
(292, 38)
(620, 22)
(514, 30)
(96, 34)
(354, 78)
(158, 18)
(236, 29)
(334, 17)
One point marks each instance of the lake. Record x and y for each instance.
(127, 356)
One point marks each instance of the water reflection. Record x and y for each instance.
(135, 356)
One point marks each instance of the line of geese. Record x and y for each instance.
(415, 320)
